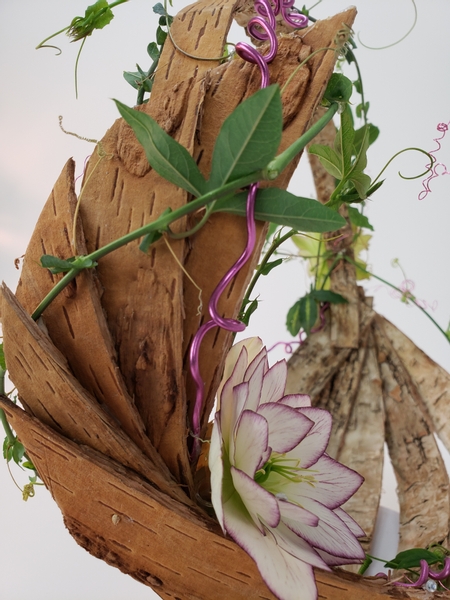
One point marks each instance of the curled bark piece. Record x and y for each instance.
(75, 320)
(363, 445)
(54, 396)
(423, 485)
(432, 381)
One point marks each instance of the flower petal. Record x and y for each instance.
(215, 462)
(283, 574)
(296, 400)
(351, 523)
(252, 347)
(294, 512)
(333, 484)
(297, 547)
(260, 358)
(312, 447)
(260, 504)
(251, 442)
(330, 534)
(274, 383)
(287, 426)
(255, 383)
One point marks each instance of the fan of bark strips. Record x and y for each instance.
(379, 387)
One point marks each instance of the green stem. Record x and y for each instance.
(185, 234)
(160, 224)
(347, 258)
(272, 249)
(42, 44)
(280, 162)
(116, 3)
(6, 426)
(76, 67)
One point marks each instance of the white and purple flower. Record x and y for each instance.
(274, 489)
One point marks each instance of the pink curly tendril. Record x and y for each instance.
(261, 27)
(405, 294)
(427, 577)
(437, 168)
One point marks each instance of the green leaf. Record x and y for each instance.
(411, 558)
(249, 311)
(362, 108)
(152, 51)
(159, 9)
(283, 208)
(328, 296)
(55, 264)
(362, 182)
(302, 315)
(137, 80)
(358, 219)
(161, 36)
(293, 323)
(358, 85)
(249, 137)
(329, 159)
(2, 358)
(271, 265)
(339, 89)
(169, 158)
(373, 133)
(18, 452)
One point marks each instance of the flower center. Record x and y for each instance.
(286, 467)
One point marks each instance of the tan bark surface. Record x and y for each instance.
(75, 320)
(156, 540)
(432, 381)
(363, 445)
(55, 397)
(423, 485)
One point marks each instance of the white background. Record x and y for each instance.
(407, 86)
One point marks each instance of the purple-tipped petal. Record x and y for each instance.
(251, 443)
(261, 505)
(215, 461)
(255, 383)
(260, 358)
(296, 513)
(333, 484)
(297, 547)
(330, 534)
(274, 383)
(287, 426)
(312, 447)
(228, 410)
(296, 400)
(283, 573)
(351, 523)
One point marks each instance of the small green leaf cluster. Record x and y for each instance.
(347, 160)
(304, 314)
(96, 16)
(143, 80)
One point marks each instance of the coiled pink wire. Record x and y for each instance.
(261, 27)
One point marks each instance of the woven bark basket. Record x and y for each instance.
(102, 376)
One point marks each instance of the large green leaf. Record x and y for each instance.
(343, 143)
(249, 137)
(283, 208)
(169, 158)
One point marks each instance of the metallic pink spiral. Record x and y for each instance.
(261, 27)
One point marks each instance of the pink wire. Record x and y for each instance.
(261, 27)
(443, 128)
